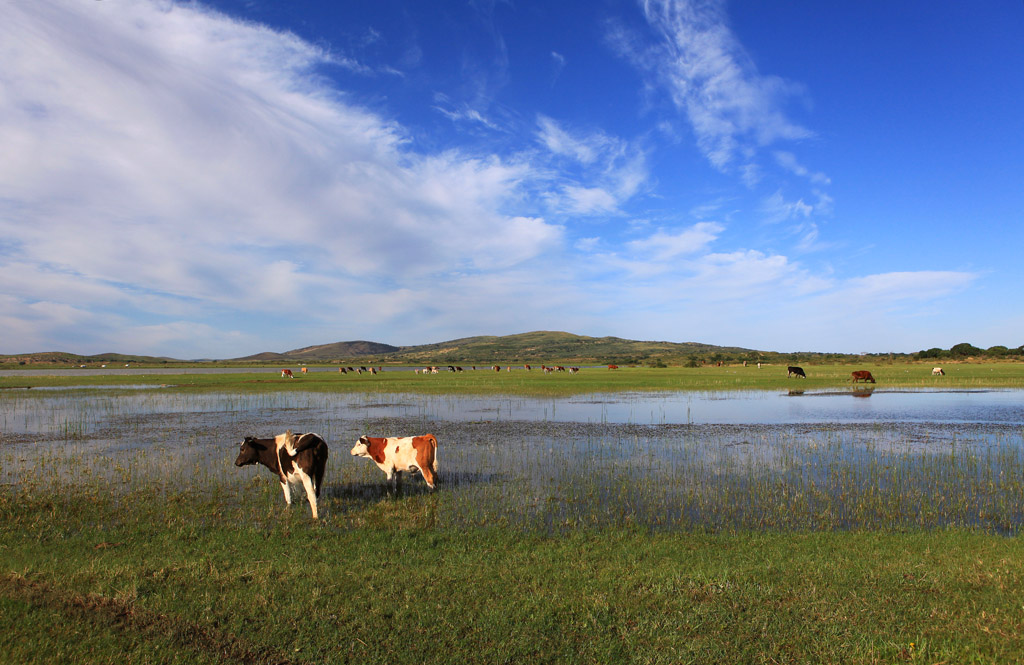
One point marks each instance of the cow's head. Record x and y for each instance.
(362, 447)
(249, 453)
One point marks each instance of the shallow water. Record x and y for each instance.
(709, 460)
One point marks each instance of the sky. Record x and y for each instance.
(217, 179)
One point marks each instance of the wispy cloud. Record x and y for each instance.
(604, 170)
(732, 108)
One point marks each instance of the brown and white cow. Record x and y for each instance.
(397, 454)
(295, 458)
(288, 373)
(305, 370)
(861, 375)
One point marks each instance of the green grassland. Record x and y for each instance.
(195, 577)
(901, 375)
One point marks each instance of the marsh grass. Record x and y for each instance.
(131, 537)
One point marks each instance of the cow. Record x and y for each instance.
(573, 370)
(342, 370)
(397, 454)
(613, 366)
(796, 371)
(861, 375)
(496, 368)
(305, 370)
(295, 458)
(937, 371)
(288, 373)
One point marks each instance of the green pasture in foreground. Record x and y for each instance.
(164, 577)
(588, 380)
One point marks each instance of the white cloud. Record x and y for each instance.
(731, 107)
(165, 157)
(897, 286)
(611, 170)
(663, 246)
(788, 161)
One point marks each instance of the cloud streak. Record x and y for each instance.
(732, 109)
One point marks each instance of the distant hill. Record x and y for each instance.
(63, 358)
(325, 352)
(537, 347)
(532, 347)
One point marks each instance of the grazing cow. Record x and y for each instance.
(573, 370)
(937, 371)
(342, 370)
(861, 375)
(305, 370)
(295, 458)
(527, 368)
(796, 371)
(397, 454)
(613, 366)
(496, 368)
(288, 373)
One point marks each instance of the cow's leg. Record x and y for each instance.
(287, 492)
(307, 482)
(428, 476)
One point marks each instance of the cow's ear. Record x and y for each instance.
(257, 445)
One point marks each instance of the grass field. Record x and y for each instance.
(588, 380)
(159, 577)
(137, 558)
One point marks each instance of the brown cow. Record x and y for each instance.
(397, 454)
(861, 375)
(288, 373)
(613, 366)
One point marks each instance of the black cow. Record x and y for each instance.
(295, 458)
(796, 371)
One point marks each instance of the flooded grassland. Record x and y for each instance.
(761, 460)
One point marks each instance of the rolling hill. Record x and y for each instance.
(531, 347)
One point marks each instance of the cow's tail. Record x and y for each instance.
(433, 444)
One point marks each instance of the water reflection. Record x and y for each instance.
(758, 459)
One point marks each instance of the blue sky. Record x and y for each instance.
(215, 179)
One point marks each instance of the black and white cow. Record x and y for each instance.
(295, 458)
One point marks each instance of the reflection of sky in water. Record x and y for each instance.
(596, 459)
(81, 411)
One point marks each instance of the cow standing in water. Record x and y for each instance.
(796, 371)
